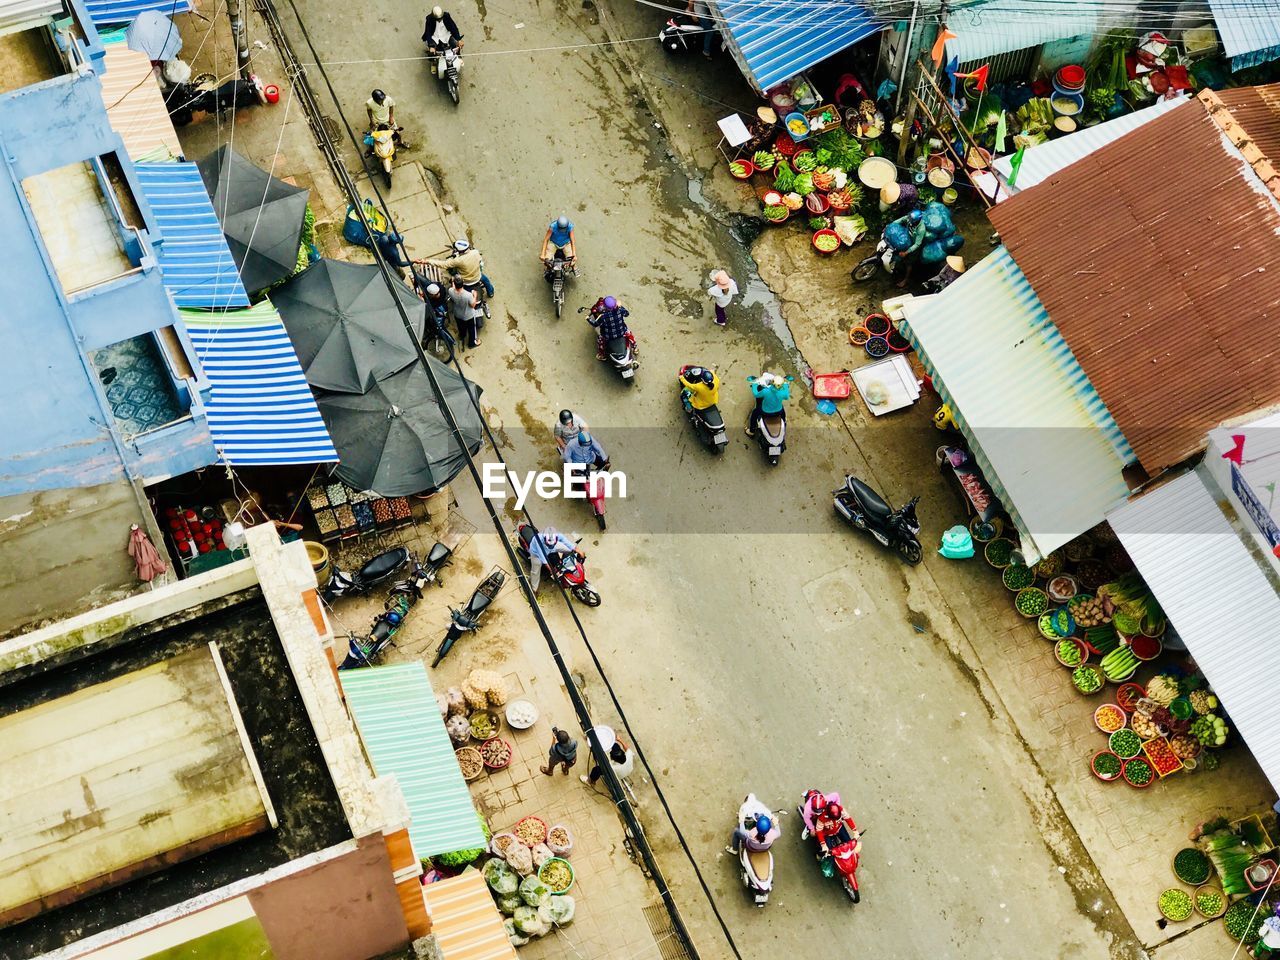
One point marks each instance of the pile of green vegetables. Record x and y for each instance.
(1086, 680)
(1134, 600)
(1069, 652)
(1138, 772)
(1209, 902)
(1230, 856)
(1191, 866)
(1017, 576)
(1106, 765)
(836, 148)
(1175, 904)
(1125, 744)
(1031, 602)
(1242, 920)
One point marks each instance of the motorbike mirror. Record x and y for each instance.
(576, 537)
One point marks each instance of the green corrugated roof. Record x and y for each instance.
(396, 713)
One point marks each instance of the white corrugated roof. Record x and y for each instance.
(23, 14)
(993, 27)
(1046, 159)
(1045, 441)
(1216, 594)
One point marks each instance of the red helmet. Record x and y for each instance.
(834, 811)
(816, 798)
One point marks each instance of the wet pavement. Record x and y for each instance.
(752, 642)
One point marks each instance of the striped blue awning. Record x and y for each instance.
(260, 408)
(395, 711)
(1250, 31)
(195, 262)
(773, 40)
(122, 11)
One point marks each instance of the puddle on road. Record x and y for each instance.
(755, 292)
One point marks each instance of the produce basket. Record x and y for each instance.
(531, 831)
(858, 335)
(741, 169)
(803, 161)
(1044, 623)
(998, 553)
(470, 762)
(1106, 775)
(1210, 902)
(1016, 577)
(1087, 679)
(547, 873)
(484, 725)
(876, 347)
(877, 324)
(827, 238)
(1031, 602)
(1191, 865)
(1161, 757)
(1128, 695)
(1109, 718)
(1175, 904)
(496, 753)
(1137, 773)
(1062, 588)
(521, 714)
(1062, 652)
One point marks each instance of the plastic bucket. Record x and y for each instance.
(318, 554)
(950, 195)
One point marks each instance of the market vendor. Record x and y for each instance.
(252, 513)
(900, 198)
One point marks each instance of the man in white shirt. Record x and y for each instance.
(440, 32)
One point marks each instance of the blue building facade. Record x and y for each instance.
(98, 381)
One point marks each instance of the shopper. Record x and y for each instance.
(464, 305)
(722, 291)
(620, 758)
(563, 752)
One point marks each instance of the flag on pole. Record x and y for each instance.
(979, 76)
(1015, 165)
(939, 45)
(1001, 131)
(952, 65)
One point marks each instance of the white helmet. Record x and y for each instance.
(461, 245)
(437, 12)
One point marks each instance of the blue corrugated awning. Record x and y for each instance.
(195, 262)
(395, 711)
(122, 11)
(1250, 30)
(260, 409)
(773, 40)
(1045, 442)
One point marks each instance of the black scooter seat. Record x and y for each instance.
(438, 553)
(527, 533)
(617, 348)
(383, 565)
(478, 605)
(711, 417)
(871, 500)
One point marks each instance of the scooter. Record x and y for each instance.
(870, 266)
(592, 485)
(841, 859)
(467, 620)
(682, 35)
(708, 424)
(365, 651)
(184, 100)
(452, 57)
(558, 271)
(382, 142)
(863, 508)
(566, 570)
(757, 865)
(771, 432)
(383, 567)
(620, 352)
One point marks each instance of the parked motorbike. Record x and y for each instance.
(757, 865)
(566, 570)
(467, 620)
(365, 651)
(184, 100)
(865, 509)
(620, 353)
(708, 424)
(381, 141)
(382, 568)
(452, 59)
(683, 34)
(870, 266)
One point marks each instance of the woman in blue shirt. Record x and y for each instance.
(770, 391)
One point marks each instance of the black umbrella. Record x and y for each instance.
(260, 216)
(394, 439)
(345, 325)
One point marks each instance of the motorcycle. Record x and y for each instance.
(708, 424)
(566, 569)
(841, 858)
(681, 35)
(365, 651)
(867, 268)
(184, 100)
(382, 568)
(757, 865)
(621, 352)
(771, 433)
(558, 271)
(452, 60)
(382, 143)
(865, 509)
(467, 620)
(592, 486)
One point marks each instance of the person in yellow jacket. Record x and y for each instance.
(701, 387)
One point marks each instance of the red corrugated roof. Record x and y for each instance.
(1257, 109)
(1158, 258)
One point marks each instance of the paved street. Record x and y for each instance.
(753, 644)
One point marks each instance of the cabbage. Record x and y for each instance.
(561, 910)
(528, 922)
(534, 892)
(508, 903)
(516, 940)
(500, 878)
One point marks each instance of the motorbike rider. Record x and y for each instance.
(439, 34)
(381, 110)
(770, 391)
(546, 548)
(905, 257)
(834, 828)
(610, 321)
(567, 428)
(586, 450)
(814, 803)
(467, 262)
(559, 240)
(757, 833)
(701, 388)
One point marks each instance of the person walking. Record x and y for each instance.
(563, 752)
(620, 758)
(722, 291)
(464, 305)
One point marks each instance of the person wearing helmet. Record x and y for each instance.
(567, 428)
(905, 257)
(381, 110)
(467, 263)
(609, 317)
(439, 34)
(757, 833)
(437, 305)
(546, 548)
(585, 450)
(814, 803)
(833, 828)
(701, 387)
(558, 243)
(770, 391)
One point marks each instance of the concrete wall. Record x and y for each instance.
(343, 909)
(57, 428)
(63, 551)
